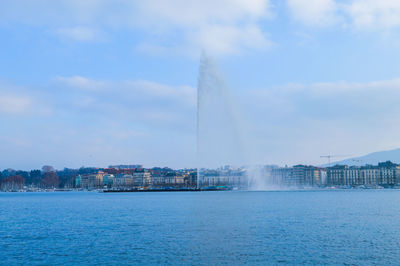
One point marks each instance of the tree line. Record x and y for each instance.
(47, 177)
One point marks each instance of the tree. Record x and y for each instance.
(8, 172)
(24, 174)
(12, 183)
(67, 177)
(47, 168)
(50, 180)
(35, 177)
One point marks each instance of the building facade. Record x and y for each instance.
(384, 174)
(298, 176)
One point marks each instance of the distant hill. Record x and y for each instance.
(372, 158)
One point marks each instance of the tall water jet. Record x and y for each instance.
(219, 141)
(222, 137)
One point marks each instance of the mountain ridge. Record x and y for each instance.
(372, 158)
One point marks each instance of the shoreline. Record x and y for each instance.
(201, 190)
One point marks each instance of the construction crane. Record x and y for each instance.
(332, 156)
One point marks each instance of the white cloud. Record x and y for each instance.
(147, 102)
(216, 40)
(81, 83)
(80, 33)
(197, 13)
(186, 94)
(154, 49)
(98, 122)
(225, 40)
(293, 123)
(135, 89)
(372, 14)
(359, 14)
(15, 104)
(23, 102)
(314, 12)
(220, 26)
(144, 120)
(329, 88)
(133, 12)
(298, 122)
(335, 100)
(223, 27)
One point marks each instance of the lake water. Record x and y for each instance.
(293, 227)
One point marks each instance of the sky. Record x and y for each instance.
(95, 83)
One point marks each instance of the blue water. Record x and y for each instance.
(313, 227)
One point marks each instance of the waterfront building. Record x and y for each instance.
(123, 181)
(157, 180)
(306, 175)
(99, 179)
(336, 175)
(223, 177)
(108, 180)
(128, 181)
(91, 181)
(85, 181)
(298, 176)
(161, 177)
(191, 179)
(235, 177)
(179, 179)
(370, 176)
(78, 181)
(389, 174)
(141, 178)
(210, 178)
(279, 176)
(385, 174)
(352, 177)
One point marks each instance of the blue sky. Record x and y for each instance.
(104, 82)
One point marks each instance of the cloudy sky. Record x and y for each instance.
(101, 82)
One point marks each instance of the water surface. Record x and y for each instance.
(293, 227)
